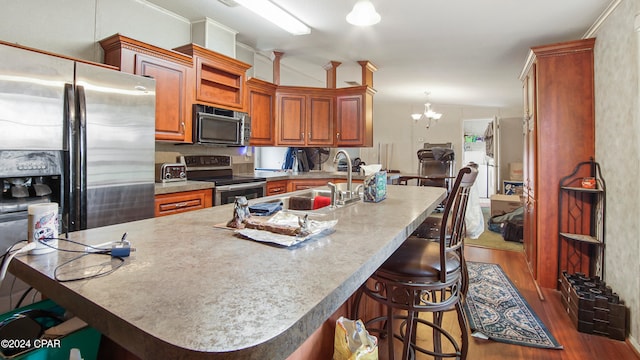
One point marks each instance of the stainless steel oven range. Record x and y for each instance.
(218, 169)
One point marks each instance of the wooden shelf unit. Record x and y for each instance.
(581, 222)
(219, 79)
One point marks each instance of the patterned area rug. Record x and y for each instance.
(497, 311)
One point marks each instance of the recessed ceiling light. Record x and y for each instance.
(276, 15)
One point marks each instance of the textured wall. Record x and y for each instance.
(617, 68)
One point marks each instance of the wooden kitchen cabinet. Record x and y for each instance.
(304, 116)
(173, 74)
(261, 103)
(302, 184)
(169, 204)
(219, 79)
(344, 180)
(354, 117)
(276, 187)
(560, 132)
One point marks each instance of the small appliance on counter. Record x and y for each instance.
(171, 172)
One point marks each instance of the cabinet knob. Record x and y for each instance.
(337, 135)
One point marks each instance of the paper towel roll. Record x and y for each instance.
(43, 227)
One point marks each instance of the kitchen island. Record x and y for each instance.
(194, 290)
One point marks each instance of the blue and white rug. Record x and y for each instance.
(497, 311)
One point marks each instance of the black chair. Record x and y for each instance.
(425, 275)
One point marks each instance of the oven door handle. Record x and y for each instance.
(240, 186)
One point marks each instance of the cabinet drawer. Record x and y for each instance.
(168, 204)
(276, 187)
(295, 185)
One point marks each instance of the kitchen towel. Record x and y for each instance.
(266, 208)
(321, 201)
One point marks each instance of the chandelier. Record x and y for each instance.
(363, 14)
(428, 114)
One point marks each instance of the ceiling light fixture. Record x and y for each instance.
(363, 14)
(276, 15)
(429, 114)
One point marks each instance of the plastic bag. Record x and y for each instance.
(474, 219)
(353, 342)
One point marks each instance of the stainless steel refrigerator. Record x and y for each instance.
(100, 120)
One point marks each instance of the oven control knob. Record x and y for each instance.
(182, 175)
(167, 175)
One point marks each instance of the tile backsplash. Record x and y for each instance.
(242, 158)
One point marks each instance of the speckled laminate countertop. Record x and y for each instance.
(192, 290)
(190, 185)
(285, 175)
(180, 186)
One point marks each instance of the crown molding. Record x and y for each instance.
(590, 33)
(600, 20)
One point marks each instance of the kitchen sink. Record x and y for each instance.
(302, 202)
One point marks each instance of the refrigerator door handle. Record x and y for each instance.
(80, 171)
(67, 201)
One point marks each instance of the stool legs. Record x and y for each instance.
(408, 329)
(464, 328)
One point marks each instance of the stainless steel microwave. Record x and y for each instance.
(215, 126)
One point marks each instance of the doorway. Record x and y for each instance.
(478, 147)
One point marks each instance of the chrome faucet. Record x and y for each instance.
(335, 160)
(334, 193)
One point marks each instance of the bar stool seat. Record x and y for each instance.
(425, 275)
(419, 258)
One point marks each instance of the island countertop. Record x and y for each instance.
(193, 290)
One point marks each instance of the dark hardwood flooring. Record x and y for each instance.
(577, 345)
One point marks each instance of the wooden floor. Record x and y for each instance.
(578, 346)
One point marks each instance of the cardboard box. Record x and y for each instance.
(515, 171)
(502, 204)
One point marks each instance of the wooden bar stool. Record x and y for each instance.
(424, 275)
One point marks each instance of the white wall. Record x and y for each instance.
(617, 76)
(73, 27)
(393, 125)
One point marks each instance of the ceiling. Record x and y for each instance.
(464, 52)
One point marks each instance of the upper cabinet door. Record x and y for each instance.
(320, 120)
(173, 74)
(305, 116)
(291, 115)
(261, 103)
(171, 84)
(354, 117)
